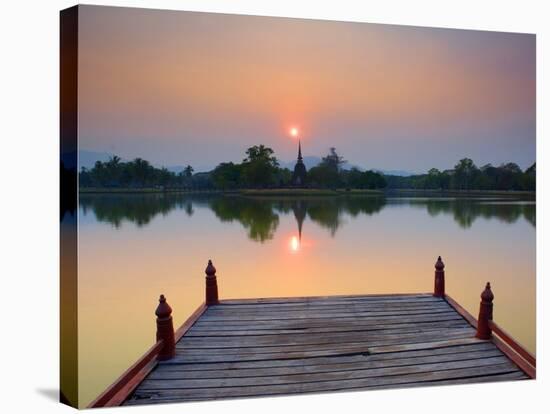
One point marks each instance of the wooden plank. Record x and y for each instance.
(426, 345)
(273, 309)
(269, 325)
(330, 302)
(324, 386)
(336, 359)
(513, 376)
(331, 359)
(323, 315)
(323, 321)
(405, 328)
(225, 357)
(339, 310)
(213, 336)
(333, 303)
(164, 373)
(309, 299)
(314, 339)
(327, 304)
(273, 380)
(348, 349)
(272, 344)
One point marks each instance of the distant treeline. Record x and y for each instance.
(260, 169)
(137, 173)
(467, 176)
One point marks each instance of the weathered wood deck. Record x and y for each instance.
(248, 348)
(280, 346)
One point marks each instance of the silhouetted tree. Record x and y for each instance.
(227, 176)
(327, 173)
(259, 167)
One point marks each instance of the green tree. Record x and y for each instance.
(164, 177)
(141, 171)
(464, 174)
(260, 166)
(333, 160)
(433, 180)
(353, 178)
(529, 177)
(373, 180)
(188, 171)
(227, 176)
(283, 177)
(328, 172)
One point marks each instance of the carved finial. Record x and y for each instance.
(210, 269)
(163, 309)
(487, 294)
(439, 265)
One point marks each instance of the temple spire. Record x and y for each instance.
(300, 173)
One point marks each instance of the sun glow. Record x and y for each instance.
(294, 244)
(294, 132)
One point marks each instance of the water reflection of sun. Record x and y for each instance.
(294, 244)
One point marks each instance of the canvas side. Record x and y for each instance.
(68, 202)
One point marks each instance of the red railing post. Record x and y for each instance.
(439, 285)
(165, 330)
(485, 313)
(211, 285)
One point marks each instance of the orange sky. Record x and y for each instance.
(199, 88)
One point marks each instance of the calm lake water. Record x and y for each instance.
(134, 247)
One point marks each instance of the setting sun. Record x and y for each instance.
(294, 132)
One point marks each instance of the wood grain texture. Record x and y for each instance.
(324, 386)
(275, 346)
(154, 398)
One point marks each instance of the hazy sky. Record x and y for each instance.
(199, 88)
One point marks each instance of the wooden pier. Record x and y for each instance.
(281, 346)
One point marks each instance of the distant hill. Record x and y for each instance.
(400, 173)
(311, 161)
(88, 159)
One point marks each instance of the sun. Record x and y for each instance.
(294, 132)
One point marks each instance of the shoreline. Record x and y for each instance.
(304, 191)
(267, 191)
(464, 192)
